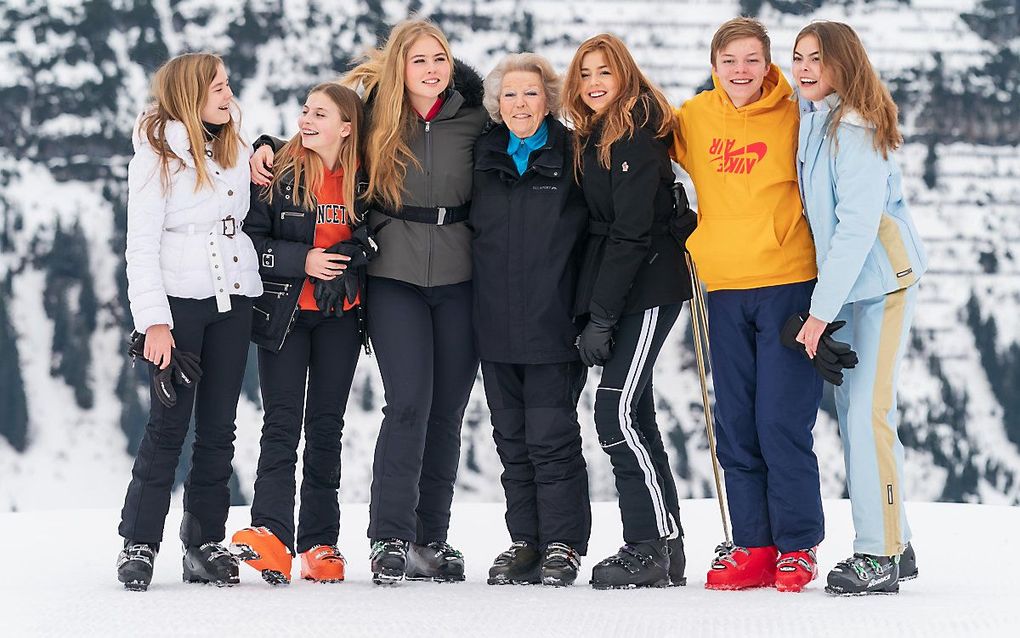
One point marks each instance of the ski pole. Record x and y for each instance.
(699, 328)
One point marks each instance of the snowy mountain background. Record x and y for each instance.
(74, 74)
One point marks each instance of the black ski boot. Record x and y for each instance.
(560, 565)
(206, 562)
(908, 564)
(389, 560)
(437, 561)
(644, 564)
(210, 563)
(677, 562)
(863, 574)
(518, 565)
(134, 564)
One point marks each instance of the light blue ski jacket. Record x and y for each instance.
(866, 244)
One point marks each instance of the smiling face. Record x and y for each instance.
(426, 72)
(522, 102)
(741, 69)
(322, 127)
(216, 109)
(808, 72)
(598, 84)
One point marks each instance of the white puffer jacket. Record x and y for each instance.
(177, 242)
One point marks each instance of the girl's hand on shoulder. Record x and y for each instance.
(810, 333)
(261, 164)
(323, 265)
(158, 342)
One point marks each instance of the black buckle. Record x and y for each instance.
(229, 226)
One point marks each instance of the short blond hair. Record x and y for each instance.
(738, 29)
(527, 61)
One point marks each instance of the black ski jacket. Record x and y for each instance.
(630, 262)
(283, 232)
(528, 231)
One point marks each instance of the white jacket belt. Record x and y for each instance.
(164, 259)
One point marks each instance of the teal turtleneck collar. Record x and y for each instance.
(520, 149)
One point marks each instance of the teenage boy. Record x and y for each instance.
(754, 253)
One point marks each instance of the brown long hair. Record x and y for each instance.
(617, 118)
(179, 90)
(381, 75)
(851, 74)
(307, 167)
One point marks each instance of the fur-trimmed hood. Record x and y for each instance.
(467, 82)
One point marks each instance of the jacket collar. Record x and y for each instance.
(830, 103)
(176, 136)
(548, 159)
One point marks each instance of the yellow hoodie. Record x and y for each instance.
(751, 231)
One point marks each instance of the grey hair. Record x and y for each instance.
(526, 61)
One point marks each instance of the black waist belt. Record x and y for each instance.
(602, 228)
(438, 216)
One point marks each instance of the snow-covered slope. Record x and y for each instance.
(61, 581)
(73, 75)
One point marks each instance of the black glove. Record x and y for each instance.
(329, 296)
(831, 356)
(683, 221)
(185, 368)
(595, 343)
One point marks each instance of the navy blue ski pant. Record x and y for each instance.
(767, 398)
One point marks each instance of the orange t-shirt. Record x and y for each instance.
(332, 225)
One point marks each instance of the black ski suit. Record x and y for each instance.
(528, 233)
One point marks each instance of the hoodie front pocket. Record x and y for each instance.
(736, 248)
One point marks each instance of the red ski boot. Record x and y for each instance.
(796, 569)
(743, 568)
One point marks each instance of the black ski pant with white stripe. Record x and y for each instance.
(625, 422)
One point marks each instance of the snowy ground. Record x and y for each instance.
(61, 582)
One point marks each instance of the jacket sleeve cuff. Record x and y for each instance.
(823, 311)
(153, 316)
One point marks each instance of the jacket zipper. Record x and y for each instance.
(290, 213)
(262, 311)
(428, 196)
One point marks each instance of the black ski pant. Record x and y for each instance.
(625, 422)
(320, 354)
(221, 340)
(534, 424)
(424, 344)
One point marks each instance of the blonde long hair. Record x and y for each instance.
(179, 90)
(617, 118)
(381, 75)
(307, 167)
(853, 77)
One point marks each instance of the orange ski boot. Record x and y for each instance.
(796, 569)
(260, 548)
(323, 564)
(743, 568)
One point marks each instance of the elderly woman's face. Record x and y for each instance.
(522, 103)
